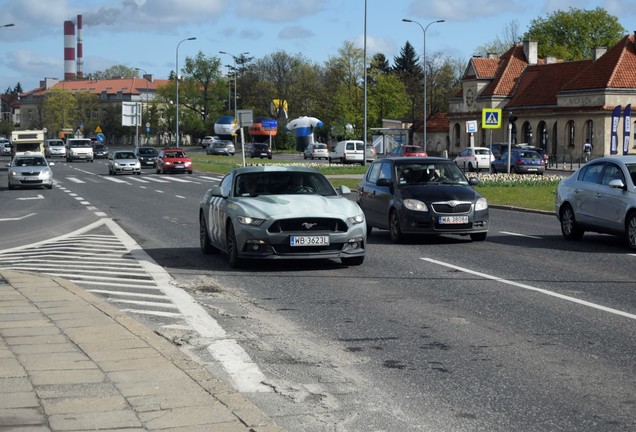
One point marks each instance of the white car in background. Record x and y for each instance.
(474, 159)
(54, 147)
(316, 151)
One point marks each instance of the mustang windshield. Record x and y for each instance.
(283, 182)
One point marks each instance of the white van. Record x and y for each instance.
(350, 151)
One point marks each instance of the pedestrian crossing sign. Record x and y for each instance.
(491, 118)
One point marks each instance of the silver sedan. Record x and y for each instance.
(123, 162)
(599, 197)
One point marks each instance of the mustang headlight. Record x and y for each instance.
(357, 219)
(481, 204)
(415, 205)
(248, 220)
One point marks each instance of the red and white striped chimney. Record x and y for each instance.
(80, 53)
(69, 50)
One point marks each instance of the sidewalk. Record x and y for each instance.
(70, 361)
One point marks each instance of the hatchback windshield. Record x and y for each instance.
(29, 161)
(423, 173)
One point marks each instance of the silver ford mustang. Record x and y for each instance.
(281, 212)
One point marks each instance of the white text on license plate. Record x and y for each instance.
(309, 240)
(453, 220)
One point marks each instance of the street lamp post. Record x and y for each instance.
(235, 79)
(146, 78)
(424, 63)
(177, 79)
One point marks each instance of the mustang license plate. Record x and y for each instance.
(309, 240)
(453, 220)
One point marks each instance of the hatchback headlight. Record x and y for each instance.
(248, 220)
(481, 204)
(415, 205)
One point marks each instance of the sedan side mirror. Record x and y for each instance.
(383, 182)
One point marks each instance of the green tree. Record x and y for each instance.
(408, 68)
(574, 35)
(203, 93)
(443, 81)
(87, 111)
(345, 75)
(59, 110)
(116, 71)
(386, 97)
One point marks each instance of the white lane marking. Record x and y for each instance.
(145, 303)
(180, 196)
(531, 288)
(140, 180)
(75, 180)
(179, 180)
(154, 313)
(210, 178)
(18, 218)
(158, 180)
(38, 197)
(115, 180)
(520, 235)
(243, 371)
(128, 294)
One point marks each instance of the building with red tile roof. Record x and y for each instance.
(559, 105)
(109, 91)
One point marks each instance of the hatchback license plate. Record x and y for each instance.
(309, 240)
(443, 220)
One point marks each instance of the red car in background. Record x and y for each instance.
(408, 150)
(173, 160)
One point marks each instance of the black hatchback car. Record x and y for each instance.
(100, 151)
(147, 156)
(261, 151)
(422, 195)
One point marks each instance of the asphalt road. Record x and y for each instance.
(521, 332)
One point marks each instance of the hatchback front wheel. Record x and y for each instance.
(395, 231)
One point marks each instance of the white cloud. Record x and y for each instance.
(295, 32)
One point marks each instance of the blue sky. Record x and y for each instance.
(145, 33)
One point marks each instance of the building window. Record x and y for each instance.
(457, 135)
(570, 133)
(589, 132)
(542, 130)
(527, 133)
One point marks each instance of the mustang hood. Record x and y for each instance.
(293, 206)
(441, 192)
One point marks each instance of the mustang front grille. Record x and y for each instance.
(308, 225)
